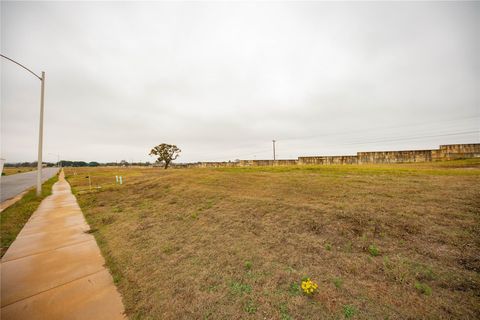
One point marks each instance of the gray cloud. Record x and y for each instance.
(221, 80)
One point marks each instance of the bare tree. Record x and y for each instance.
(165, 153)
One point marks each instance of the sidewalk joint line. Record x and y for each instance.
(55, 287)
(53, 249)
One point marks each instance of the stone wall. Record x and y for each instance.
(445, 152)
(328, 160)
(394, 156)
(458, 151)
(256, 163)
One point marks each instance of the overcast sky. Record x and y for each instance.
(221, 80)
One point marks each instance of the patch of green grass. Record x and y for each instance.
(423, 288)
(349, 311)
(248, 265)
(239, 288)
(14, 217)
(295, 289)
(373, 250)
(250, 307)
(284, 312)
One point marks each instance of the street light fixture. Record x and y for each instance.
(40, 130)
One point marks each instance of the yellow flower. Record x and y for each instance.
(308, 286)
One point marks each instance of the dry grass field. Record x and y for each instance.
(381, 241)
(14, 170)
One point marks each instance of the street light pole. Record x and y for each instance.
(40, 129)
(40, 138)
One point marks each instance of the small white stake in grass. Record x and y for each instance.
(121, 180)
(116, 178)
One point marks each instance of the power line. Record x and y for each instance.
(375, 129)
(400, 139)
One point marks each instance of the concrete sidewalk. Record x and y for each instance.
(54, 270)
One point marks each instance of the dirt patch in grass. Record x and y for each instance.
(398, 241)
(13, 218)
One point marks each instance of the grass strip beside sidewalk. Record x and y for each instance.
(14, 217)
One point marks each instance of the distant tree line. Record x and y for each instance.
(28, 164)
(123, 163)
(67, 163)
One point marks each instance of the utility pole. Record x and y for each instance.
(40, 129)
(273, 150)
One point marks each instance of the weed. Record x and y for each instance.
(308, 286)
(250, 307)
(239, 288)
(348, 311)
(284, 313)
(423, 288)
(373, 250)
(248, 265)
(295, 289)
(328, 246)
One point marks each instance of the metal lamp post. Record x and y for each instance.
(40, 129)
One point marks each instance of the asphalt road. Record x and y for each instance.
(14, 184)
